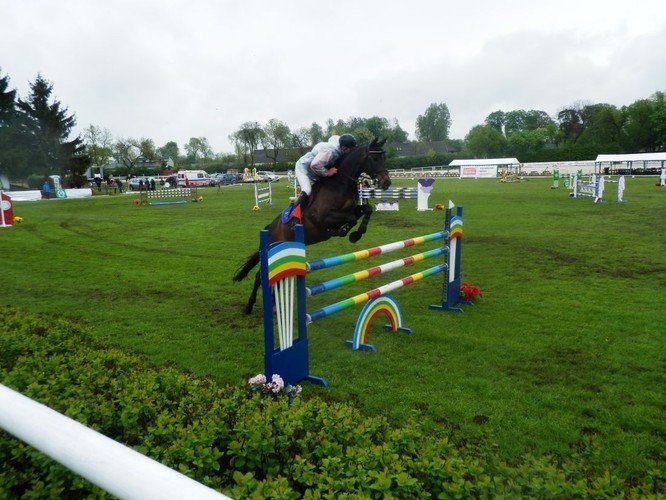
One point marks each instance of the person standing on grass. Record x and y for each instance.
(46, 190)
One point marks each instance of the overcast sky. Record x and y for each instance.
(171, 70)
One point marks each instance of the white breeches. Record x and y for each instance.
(305, 178)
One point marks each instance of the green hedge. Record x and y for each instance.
(247, 446)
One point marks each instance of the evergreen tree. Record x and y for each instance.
(47, 126)
(11, 158)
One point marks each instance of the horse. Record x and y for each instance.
(333, 209)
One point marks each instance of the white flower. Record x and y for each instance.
(277, 383)
(257, 380)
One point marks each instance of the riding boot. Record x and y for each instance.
(301, 200)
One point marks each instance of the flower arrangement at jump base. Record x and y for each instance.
(275, 388)
(469, 291)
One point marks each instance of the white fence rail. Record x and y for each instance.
(112, 466)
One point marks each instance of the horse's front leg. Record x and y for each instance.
(365, 211)
(339, 223)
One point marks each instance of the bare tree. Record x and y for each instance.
(275, 137)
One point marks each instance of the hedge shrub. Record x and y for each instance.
(247, 446)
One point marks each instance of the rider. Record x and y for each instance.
(319, 163)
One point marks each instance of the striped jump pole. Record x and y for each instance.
(371, 294)
(331, 284)
(337, 260)
(450, 267)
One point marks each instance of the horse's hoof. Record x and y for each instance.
(247, 310)
(355, 236)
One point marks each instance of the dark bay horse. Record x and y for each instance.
(333, 209)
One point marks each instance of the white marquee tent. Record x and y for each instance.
(646, 163)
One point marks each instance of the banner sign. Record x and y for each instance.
(478, 171)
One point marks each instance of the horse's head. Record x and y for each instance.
(375, 164)
(370, 160)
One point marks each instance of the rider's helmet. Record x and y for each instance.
(347, 140)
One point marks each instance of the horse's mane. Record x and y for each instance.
(352, 159)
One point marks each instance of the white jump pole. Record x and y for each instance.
(104, 462)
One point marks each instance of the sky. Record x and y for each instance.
(171, 70)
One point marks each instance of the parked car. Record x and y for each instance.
(136, 183)
(215, 179)
(228, 179)
(266, 175)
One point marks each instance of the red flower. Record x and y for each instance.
(469, 291)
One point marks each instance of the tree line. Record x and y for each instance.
(34, 137)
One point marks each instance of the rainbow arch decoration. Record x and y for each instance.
(385, 305)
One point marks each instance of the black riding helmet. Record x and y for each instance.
(347, 140)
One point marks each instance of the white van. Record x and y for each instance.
(192, 178)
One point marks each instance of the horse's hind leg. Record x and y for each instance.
(366, 211)
(253, 295)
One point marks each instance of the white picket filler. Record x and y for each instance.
(388, 198)
(104, 462)
(594, 188)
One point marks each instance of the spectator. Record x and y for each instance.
(119, 183)
(46, 190)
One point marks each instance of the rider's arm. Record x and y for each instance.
(323, 158)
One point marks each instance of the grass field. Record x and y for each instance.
(565, 347)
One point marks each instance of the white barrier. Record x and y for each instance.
(35, 195)
(594, 188)
(112, 466)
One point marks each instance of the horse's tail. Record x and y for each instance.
(245, 269)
